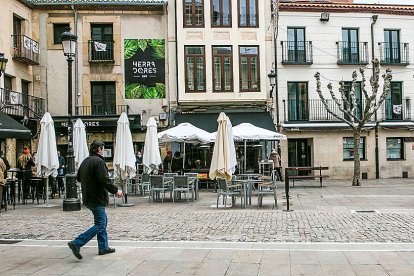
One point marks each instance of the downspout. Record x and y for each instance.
(176, 53)
(76, 61)
(275, 35)
(374, 20)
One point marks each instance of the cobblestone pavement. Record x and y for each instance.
(380, 211)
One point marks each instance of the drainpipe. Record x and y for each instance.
(374, 20)
(75, 11)
(275, 19)
(176, 51)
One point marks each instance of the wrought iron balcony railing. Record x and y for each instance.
(314, 110)
(352, 52)
(394, 53)
(25, 49)
(101, 51)
(20, 104)
(102, 110)
(297, 52)
(396, 112)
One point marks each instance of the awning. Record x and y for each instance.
(397, 125)
(10, 128)
(208, 121)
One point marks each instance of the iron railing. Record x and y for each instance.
(25, 49)
(314, 110)
(297, 52)
(83, 110)
(396, 112)
(352, 52)
(20, 104)
(394, 53)
(101, 51)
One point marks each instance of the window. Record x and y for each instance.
(358, 99)
(17, 32)
(103, 98)
(222, 69)
(194, 13)
(195, 72)
(350, 46)
(248, 14)
(395, 148)
(25, 96)
(102, 42)
(349, 148)
(58, 30)
(393, 102)
(296, 45)
(249, 68)
(220, 13)
(298, 101)
(392, 46)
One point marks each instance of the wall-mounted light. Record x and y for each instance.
(325, 17)
(3, 62)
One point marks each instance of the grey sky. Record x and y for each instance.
(399, 2)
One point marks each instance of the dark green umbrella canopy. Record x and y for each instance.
(10, 128)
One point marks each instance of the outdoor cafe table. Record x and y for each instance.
(14, 181)
(247, 188)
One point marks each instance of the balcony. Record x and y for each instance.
(99, 110)
(25, 50)
(352, 52)
(19, 104)
(297, 52)
(396, 112)
(394, 53)
(313, 111)
(101, 51)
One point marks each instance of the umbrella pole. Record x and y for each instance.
(125, 191)
(245, 156)
(184, 157)
(47, 191)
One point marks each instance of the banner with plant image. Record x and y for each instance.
(144, 61)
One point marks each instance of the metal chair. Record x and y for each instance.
(144, 183)
(157, 187)
(226, 189)
(267, 188)
(182, 185)
(194, 178)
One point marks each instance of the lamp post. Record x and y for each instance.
(3, 62)
(272, 79)
(71, 202)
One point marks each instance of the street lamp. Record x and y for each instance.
(71, 202)
(3, 62)
(272, 79)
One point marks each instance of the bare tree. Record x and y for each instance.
(347, 104)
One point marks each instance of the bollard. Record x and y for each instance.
(287, 189)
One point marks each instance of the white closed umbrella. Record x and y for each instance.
(223, 162)
(47, 157)
(124, 157)
(152, 157)
(80, 146)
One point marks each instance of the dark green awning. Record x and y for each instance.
(208, 121)
(10, 128)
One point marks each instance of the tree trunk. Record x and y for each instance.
(357, 161)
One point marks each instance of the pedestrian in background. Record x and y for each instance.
(3, 172)
(177, 162)
(274, 156)
(166, 163)
(25, 164)
(94, 178)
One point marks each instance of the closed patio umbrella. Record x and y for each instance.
(223, 162)
(152, 157)
(47, 157)
(124, 157)
(80, 146)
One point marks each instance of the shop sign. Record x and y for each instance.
(144, 61)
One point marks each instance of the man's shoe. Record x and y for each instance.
(107, 251)
(75, 250)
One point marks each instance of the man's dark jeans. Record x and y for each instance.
(98, 230)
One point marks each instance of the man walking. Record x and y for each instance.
(94, 178)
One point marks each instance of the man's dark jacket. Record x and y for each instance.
(94, 178)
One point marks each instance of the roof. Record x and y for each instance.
(307, 6)
(94, 2)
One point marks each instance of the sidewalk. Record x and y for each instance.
(334, 230)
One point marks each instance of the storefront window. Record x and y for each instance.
(348, 148)
(395, 149)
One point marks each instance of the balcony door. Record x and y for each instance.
(298, 101)
(393, 102)
(102, 42)
(25, 97)
(392, 46)
(103, 98)
(358, 98)
(296, 45)
(350, 47)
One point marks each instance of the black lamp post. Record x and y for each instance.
(3, 62)
(272, 79)
(71, 202)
